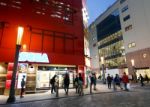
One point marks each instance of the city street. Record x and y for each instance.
(137, 97)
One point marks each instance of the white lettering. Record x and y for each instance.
(33, 57)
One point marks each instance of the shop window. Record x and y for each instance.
(131, 45)
(126, 18)
(124, 9)
(128, 28)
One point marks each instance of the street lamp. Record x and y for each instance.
(18, 46)
(133, 69)
(103, 75)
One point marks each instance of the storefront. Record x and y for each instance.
(143, 72)
(37, 76)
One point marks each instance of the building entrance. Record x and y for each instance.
(43, 78)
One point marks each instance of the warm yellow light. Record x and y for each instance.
(102, 60)
(20, 34)
(132, 62)
(24, 47)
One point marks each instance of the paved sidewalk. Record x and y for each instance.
(100, 88)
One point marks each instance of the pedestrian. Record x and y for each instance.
(146, 78)
(125, 81)
(95, 80)
(52, 82)
(109, 80)
(22, 86)
(117, 82)
(141, 80)
(80, 84)
(66, 83)
(91, 82)
(76, 83)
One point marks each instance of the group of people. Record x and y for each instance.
(117, 81)
(142, 79)
(124, 79)
(78, 83)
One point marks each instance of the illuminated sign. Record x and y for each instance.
(33, 57)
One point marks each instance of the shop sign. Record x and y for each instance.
(33, 57)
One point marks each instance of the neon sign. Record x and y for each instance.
(33, 57)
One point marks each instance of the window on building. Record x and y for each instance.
(128, 28)
(126, 18)
(94, 44)
(122, 1)
(124, 8)
(131, 45)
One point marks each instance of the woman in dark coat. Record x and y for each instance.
(66, 83)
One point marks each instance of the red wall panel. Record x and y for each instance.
(36, 43)
(48, 44)
(9, 38)
(59, 44)
(69, 46)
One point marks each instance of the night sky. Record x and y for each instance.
(97, 7)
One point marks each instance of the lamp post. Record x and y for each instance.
(103, 75)
(133, 69)
(18, 46)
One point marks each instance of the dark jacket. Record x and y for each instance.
(109, 79)
(66, 80)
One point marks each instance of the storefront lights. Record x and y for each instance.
(102, 60)
(132, 62)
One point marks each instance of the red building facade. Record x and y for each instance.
(54, 27)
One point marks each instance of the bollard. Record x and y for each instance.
(57, 89)
(90, 88)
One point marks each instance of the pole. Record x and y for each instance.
(104, 82)
(12, 88)
(134, 72)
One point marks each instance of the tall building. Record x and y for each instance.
(53, 41)
(135, 21)
(122, 33)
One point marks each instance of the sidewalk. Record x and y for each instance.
(100, 88)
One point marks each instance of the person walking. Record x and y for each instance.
(146, 78)
(76, 83)
(22, 86)
(141, 80)
(80, 84)
(109, 80)
(66, 83)
(95, 80)
(52, 82)
(91, 82)
(117, 82)
(125, 81)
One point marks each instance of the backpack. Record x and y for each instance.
(51, 81)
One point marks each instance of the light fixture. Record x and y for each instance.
(132, 62)
(102, 60)
(20, 34)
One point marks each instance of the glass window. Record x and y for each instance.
(125, 8)
(122, 1)
(128, 28)
(126, 18)
(109, 25)
(131, 45)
